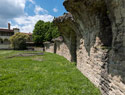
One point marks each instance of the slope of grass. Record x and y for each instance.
(47, 74)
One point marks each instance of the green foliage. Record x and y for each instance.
(52, 75)
(18, 41)
(52, 32)
(39, 32)
(44, 31)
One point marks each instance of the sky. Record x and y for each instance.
(24, 14)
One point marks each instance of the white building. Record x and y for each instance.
(5, 35)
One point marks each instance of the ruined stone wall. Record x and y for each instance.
(99, 29)
(38, 48)
(58, 47)
(49, 47)
(62, 49)
(65, 27)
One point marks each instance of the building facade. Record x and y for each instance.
(5, 35)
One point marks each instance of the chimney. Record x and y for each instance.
(8, 26)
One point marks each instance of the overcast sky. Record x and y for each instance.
(24, 14)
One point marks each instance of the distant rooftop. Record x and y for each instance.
(8, 30)
(27, 33)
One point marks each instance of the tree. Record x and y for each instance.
(44, 31)
(52, 32)
(39, 32)
(18, 41)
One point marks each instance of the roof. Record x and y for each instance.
(6, 30)
(27, 33)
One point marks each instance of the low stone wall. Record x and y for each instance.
(38, 48)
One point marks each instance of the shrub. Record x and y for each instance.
(18, 41)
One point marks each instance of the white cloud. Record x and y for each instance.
(55, 10)
(10, 9)
(38, 9)
(26, 23)
(32, 1)
(13, 11)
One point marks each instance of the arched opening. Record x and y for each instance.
(105, 33)
(6, 41)
(1, 41)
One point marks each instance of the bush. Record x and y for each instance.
(18, 41)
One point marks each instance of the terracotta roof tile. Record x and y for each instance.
(6, 30)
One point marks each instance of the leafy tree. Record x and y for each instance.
(44, 31)
(52, 32)
(39, 32)
(18, 41)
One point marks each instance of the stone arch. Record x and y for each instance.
(105, 33)
(67, 29)
(6, 41)
(1, 41)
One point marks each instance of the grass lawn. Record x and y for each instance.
(47, 74)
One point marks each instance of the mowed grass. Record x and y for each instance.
(47, 74)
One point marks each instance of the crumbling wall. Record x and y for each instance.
(49, 47)
(59, 47)
(99, 29)
(65, 27)
(63, 50)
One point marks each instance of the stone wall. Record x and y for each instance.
(95, 37)
(38, 49)
(49, 47)
(63, 50)
(58, 47)
(69, 35)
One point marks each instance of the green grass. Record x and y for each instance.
(47, 74)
